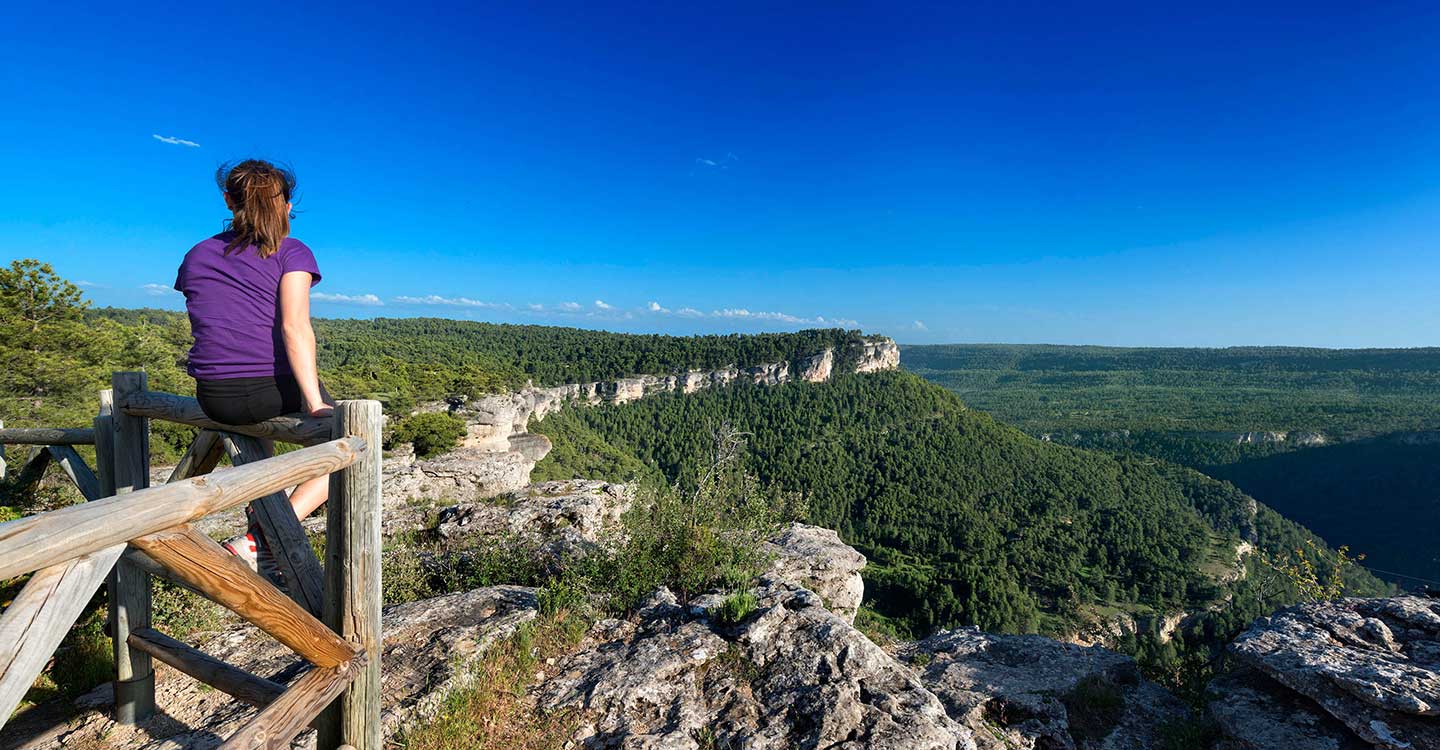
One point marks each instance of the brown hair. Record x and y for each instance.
(259, 195)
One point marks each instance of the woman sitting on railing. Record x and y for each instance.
(247, 291)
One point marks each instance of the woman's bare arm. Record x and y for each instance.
(300, 339)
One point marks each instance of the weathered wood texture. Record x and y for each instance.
(47, 436)
(352, 583)
(43, 612)
(78, 471)
(129, 586)
(34, 542)
(40, 616)
(34, 468)
(278, 723)
(304, 579)
(200, 458)
(204, 564)
(172, 408)
(233, 681)
(142, 561)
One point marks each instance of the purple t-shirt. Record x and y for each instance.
(234, 306)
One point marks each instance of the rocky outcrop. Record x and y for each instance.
(1254, 712)
(816, 559)
(1025, 692)
(462, 474)
(565, 520)
(791, 675)
(1372, 665)
(878, 354)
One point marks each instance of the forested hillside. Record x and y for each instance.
(404, 361)
(965, 520)
(1356, 462)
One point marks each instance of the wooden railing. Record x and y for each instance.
(128, 533)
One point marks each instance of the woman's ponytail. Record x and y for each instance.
(259, 195)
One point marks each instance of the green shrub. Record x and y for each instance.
(694, 541)
(431, 433)
(735, 608)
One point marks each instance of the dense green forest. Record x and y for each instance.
(1343, 393)
(1377, 491)
(404, 361)
(965, 520)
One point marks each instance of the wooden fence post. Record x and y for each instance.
(352, 578)
(129, 585)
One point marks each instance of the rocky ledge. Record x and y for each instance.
(1349, 673)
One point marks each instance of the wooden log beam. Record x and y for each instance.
(40, 616)
(130, 587)
(172, 408)
(47, 436)
(142, 561)
(204, 564)
(229, 679)
(352, 583)
(78, 471)
(275, 726)
(37, 541)
(291, 549)
(200, 458)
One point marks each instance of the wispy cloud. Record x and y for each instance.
(435, 299)
(348, 299)
(159, 290)
(172, 140)
(723, 162)
(656, 308)
(88, 284)
(919, 325)
(535, 307)
(600, 303)
(569, 306)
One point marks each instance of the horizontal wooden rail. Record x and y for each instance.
(47, 436)
(37, 541)
(172, 408)
(229, 679)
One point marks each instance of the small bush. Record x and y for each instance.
(432, 433)
(1094, 705)
(735, 608)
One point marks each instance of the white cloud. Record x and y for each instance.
(656, 308)
(570, 306)
(172, 140)
(689, 312)
(535, 307)
(602, 305)
(347, 299)
(87, 284)
(435, 299)
(919, 325)
(723, 162)
(159, 290)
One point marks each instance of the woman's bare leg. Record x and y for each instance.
(309, 496)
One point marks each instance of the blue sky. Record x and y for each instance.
(1078, 173)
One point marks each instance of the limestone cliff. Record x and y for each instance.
(498, 452)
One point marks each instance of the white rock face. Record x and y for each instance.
(792, 675)
(878, 355)
(817, 369)
(816, 559)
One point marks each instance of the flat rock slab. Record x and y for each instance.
(1255, 712)
(1373, 664)
(1024, 692)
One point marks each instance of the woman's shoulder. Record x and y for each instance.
(294, 245)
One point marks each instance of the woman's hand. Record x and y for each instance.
(321, 409)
